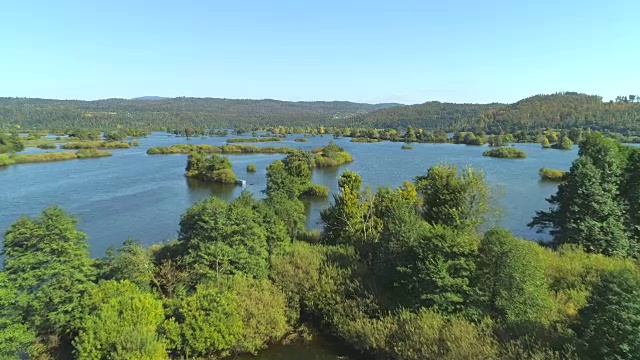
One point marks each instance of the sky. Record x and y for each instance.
(466, 51)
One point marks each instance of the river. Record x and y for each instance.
(132, 194)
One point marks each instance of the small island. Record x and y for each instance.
(224, 149)
(551, 174)
(505, 153)
(253, 140)
(251, 168)
(331, 155)
(213, 168)
(407, 147)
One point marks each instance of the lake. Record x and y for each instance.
(132, 194)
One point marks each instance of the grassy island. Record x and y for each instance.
(505, 153)
(253, 140)
(224, 149)
(47, 146)
(251, 168)
(365, 140)
(96, 145)
(551, 174)
(316, 190)
(213, 168)
(301, 139)
(407, 147)
(6, 159)
(331, 155)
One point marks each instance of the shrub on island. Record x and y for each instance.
(251, 168)
(564, 144)
(331, 155)
(407, 147)
(551, 174)
(505, 153)
(316, 190)
(301, 139)
(214, 168)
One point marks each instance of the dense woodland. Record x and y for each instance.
(401, 273)
(557, 111)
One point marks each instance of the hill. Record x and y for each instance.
(430, 115)
(561, 110)
(176, 112)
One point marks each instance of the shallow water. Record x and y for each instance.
(132, 194)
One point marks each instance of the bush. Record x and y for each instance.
(301, 139)
(5, 160)
(316, 190)
(224, 176)
(251, 168)
(407, 147)
(506, 153)
(551, 174)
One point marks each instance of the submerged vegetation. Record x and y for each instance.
(506, 153)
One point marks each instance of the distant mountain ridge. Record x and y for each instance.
(158, 113)
(559, 110)
(151, 98)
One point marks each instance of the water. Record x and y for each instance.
(132, 194)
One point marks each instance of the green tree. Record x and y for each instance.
(209, 324)
(224, 239)
(610, 323)
(131, 262)
(262, 309)
(47, 262)
(453, 199)
(511, 281)
(438, 267)
(586, 209)
(16, 338)
(351, 220)
(545, 143)
(564, 144)
(122, 322)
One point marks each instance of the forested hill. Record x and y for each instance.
(175, 112)
(561, 110)
(430, 115)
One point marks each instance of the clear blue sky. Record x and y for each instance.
(370, 51)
